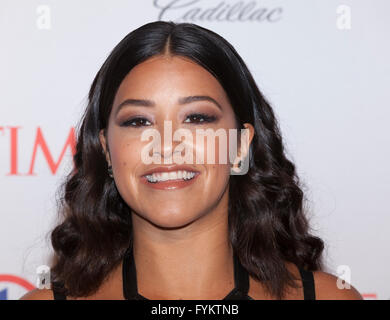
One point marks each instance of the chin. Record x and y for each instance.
(171, 220)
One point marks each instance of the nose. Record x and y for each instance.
(168, 146)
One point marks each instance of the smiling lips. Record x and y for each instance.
(170, 177)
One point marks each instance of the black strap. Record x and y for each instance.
(57, 295)
(241, 282)
(308, 284)
(130, 290)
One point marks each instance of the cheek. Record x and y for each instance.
(216, 181)
(125, 157)
(213, 150)
(126, 161)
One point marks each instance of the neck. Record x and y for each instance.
(192, 262)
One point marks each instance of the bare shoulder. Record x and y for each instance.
(326, 288)
(38, 294)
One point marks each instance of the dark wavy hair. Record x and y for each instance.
(267, 222)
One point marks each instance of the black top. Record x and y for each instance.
(239, 292)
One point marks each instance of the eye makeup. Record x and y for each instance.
(196, 118)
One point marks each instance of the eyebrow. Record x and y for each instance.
(181, 101)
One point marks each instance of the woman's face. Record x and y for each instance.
(165, 81)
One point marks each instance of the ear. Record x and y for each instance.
(241, 163)
(246, 138)
(103, 142)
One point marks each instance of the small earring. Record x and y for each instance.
(238, 168)
(110, 171)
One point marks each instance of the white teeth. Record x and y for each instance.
(173, 175)
(165, 176)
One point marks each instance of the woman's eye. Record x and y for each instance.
(200, 118)
(197, 118)
(136, 122)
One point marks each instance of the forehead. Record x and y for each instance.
(165, 78)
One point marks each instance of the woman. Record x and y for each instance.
(129, 233)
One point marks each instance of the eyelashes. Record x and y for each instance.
(201, 118)
(196, 118)
(138, 120)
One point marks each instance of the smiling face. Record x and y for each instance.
(165, 82)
